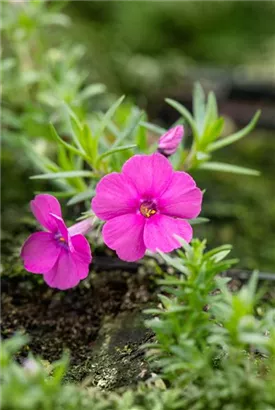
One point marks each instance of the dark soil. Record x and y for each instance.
(106, 307)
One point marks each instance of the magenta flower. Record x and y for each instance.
(170, 141)
(62, 255)
(145, 205)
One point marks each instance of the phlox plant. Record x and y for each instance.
(141, 190)
(209, 341)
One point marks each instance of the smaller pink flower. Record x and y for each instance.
(145, 206)
(170, 141)
(62, 255)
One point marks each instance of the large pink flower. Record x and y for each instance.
(62, 255)
(145, 206)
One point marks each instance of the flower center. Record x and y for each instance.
(61, 241)
(148, 208)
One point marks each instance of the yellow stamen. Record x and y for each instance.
(148, 208)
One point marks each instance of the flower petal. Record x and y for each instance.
(150, 174)
(64, 273)
(61, 227)
(182, 198)
(124, 234)
(82, 255)
(115, 196)
(42, 206)
(159, 233)
(40, 252)
(70, 267)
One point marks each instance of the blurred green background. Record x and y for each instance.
(148, 51)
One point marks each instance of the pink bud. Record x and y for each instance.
(170, 141)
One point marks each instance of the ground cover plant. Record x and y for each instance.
(209, 346)
(112, 299)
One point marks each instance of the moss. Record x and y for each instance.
(118, 359)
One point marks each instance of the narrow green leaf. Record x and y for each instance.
(91, 91)
(211, 114)
(76, 132)
(70, 147)
(212, 132)
(186, 115)
(56, 18)
(141, 139)
(180, 121)
(82, 196)
(152, 127)
(217, 250)
(197, 221)
(199, 106)
(235, 169)
(91, 143)
(113, 129)
(129, 129)
(235, 137)
(58, 194)
(63, 160)
(107, 117)
(113, 151)
(66, 174)
(42, 163)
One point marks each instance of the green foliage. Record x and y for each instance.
(211, 348)
(207, 128)
(99, 143)
(93, 148)
(210, 342)
(40, 73)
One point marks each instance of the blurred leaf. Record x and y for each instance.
(91, 91)
(211, 114)
(7, 64)
(77, 131)
(141, 139)
(199, 106)
(107, 117)
(129, 129)
(113, 151)
(154, 128)
(58, 194)
(235, 137)
(235, 169)
(186, 115)
(67, 174)
(197, 221)
(55, 18)
(91, 143)
(82, 196)
(63, 159)
(70, 147)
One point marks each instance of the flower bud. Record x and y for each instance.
(82, 227)
(170, 141)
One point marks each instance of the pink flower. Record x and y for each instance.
(62, 255)
(145, 205)
(170, 141)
